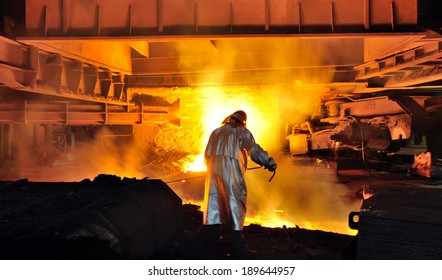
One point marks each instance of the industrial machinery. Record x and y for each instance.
(85, 65)
(383, 132)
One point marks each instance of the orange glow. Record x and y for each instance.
(196, 164)
(280, 218)
(275, 218)
(218, 104)
(297, 196)
(290, 199)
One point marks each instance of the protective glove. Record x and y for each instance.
(271, 166)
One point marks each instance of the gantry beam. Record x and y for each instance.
(141, 17)
(91, 95)
(74, 113)
(25, 67)
(417, 66)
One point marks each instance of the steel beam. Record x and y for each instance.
(30, 69)
(140, 17)
(411, 60)
(74, 114)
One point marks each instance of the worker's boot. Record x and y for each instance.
(214, 240)
(238, 245)
(214, 233)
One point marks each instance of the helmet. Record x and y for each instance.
(240, 116)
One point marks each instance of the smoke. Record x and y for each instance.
(288, 74)
(107, 154)
(257, 60)
(103, 152)
(302, 193)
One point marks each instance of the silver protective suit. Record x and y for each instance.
(226, 155)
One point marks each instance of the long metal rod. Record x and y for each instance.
(274, 173)
(201, 176)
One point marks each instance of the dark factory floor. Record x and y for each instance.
(78, 208)
(296, 243)
(264, 243)
(38, 218)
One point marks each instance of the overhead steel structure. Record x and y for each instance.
(74, 62)
(94, 51)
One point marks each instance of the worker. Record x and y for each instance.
(225, 199)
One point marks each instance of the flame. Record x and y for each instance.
(290, 200)
(195, 164)
(279, 218)
(275, 218)
(218, 104)
(280, 203)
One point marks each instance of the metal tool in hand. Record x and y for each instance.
(274, 172)
(258, 167)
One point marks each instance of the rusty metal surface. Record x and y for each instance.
(370, 107)
(413, 67)
(138, 17)
(95, 50)
(71, 113)
(28, 70)
(24, 66)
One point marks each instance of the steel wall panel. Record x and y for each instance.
(138, 17)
